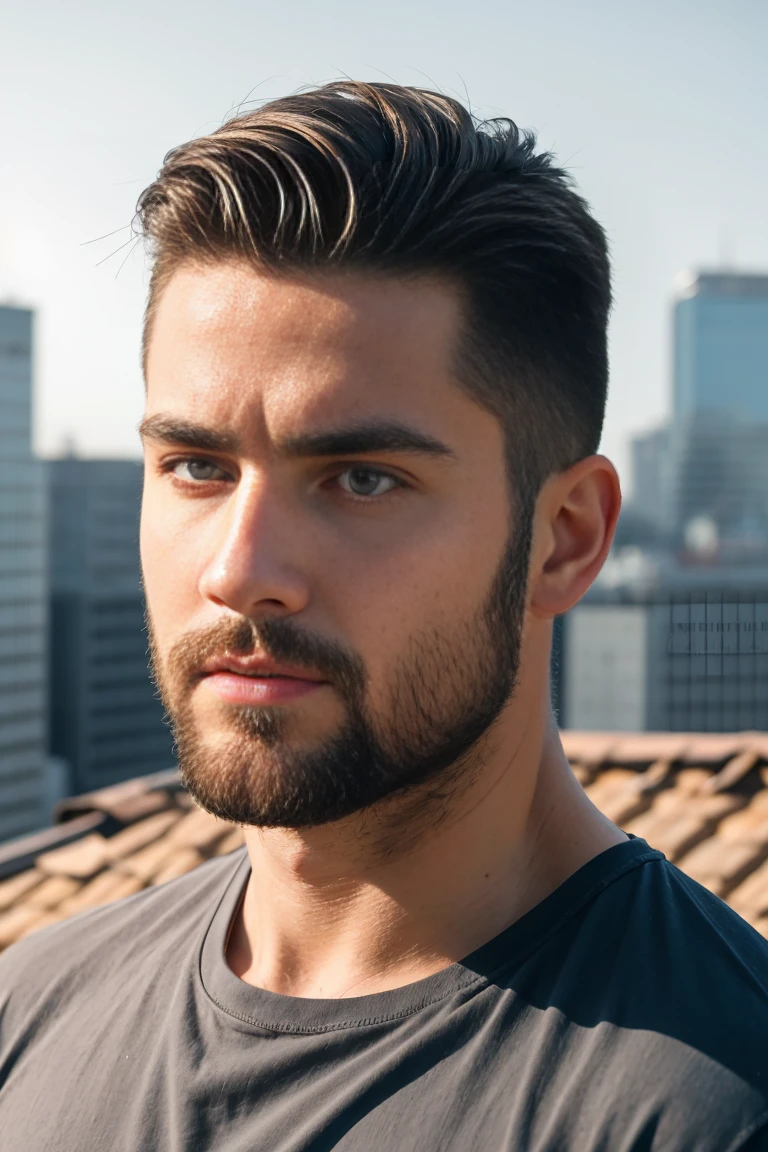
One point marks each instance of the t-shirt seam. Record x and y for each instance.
(342, 1025)
(306, 1030)
(472, 982)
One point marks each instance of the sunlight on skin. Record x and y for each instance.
(258, 528)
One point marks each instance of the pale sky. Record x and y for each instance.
(659, 110)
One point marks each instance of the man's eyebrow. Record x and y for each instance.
(171, 430)
(352, 440)
(367, 436)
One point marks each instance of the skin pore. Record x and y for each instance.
(263, 502)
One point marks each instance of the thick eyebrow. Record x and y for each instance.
(367, 436)
(355, 439)
(169, 430)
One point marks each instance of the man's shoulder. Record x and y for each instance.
(667, 966)
(707, 945)
(652, 910)
(658, 994)
(75, 950)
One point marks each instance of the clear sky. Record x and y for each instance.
(659, 109)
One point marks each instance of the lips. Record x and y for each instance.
(258, 668)
(255, 681)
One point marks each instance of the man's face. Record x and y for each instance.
(334, 596)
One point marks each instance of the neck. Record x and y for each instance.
(355, 908)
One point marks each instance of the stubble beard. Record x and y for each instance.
(445, 695)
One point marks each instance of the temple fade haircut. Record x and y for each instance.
(401, 181)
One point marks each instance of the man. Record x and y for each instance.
(375, 356)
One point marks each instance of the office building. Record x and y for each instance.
(671, 648)
(23, 597)
(711, 460)
(106, 720)
(721, 346)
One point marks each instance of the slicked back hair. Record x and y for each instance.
(403, 181)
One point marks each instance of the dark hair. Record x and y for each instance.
(406, 181)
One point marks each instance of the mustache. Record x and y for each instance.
(278, 638)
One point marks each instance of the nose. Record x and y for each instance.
(253, 563)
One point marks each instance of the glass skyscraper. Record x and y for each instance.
(711, 459)
(721, 346)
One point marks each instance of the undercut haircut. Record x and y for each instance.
(401, 181)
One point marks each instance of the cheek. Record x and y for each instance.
(167, 568)
(398, 610)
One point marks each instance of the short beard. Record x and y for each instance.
(445, 696)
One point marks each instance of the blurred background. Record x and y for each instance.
(659, 113)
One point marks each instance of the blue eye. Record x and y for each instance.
(366, 482)
(200, 470)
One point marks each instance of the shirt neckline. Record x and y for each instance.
(274, 1012)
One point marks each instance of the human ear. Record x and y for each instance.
(576, 514)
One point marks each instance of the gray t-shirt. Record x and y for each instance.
(627, 1011)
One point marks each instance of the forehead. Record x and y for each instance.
(244, 348)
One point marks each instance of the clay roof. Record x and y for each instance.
(106, 845)
(701, 799)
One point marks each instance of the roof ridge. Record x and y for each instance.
(106, 810)
(114, 795)
(596, 749)
(21, 853)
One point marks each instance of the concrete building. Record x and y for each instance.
(23, 596)
(106, 721)
(684, 648)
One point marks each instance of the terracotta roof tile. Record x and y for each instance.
(198, 829)
(750, 898)
(126, 802)
(15, 922)
(702, 799)
(18, 888)
(16, 855)
(622, 794)
(733, 771)
(52, 893)
(673, 833)
(750, 823)
(136, 836)
(688, 781)
(677, 822)
(721, 865)
(714, 747)
(82, 859)
(616, 794)
(150, 861)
